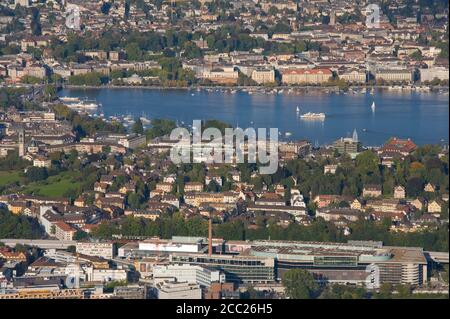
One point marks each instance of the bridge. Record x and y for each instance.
(40, 243)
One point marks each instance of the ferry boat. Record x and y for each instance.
(313, 116)
(145, 120)
(67, 99)
(83, 106)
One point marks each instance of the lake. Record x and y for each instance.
(423, 117)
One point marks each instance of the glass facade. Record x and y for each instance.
(335, 261)
(241, 270)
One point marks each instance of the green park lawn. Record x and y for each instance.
(7, 177)
(54, 186)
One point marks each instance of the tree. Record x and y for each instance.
(133, 52)
(385, 291)
(138, 128)
(416, 55)
(299, 284)
(414, 186)
(106, 6)
(80, 235)
(133, 200)
(367, 162)
(404, 291)
(160, 127)
(36, 28)
(72, 249)
(18, 226)
(34, 174)
(50, 92)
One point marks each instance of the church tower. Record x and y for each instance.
(355, 136)
(21, 142)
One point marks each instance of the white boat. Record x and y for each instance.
(144, 120)
(83, 106)
(128, 118)
(288, 133)
(373, 106)
(313, 116)
(298, 109)
(69, 99)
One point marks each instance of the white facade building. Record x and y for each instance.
(178, 290)
(104, 250)
(188, 273)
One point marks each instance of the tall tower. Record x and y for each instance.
(332, 17)
(21, 142)
(355, 136)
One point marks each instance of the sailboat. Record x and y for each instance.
(298, 109)
(373, 106)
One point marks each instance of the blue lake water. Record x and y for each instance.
(423, 117)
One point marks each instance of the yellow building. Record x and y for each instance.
(262, 76)
(306, 76)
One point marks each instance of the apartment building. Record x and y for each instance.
(306, 76)
(99, 249)
(263, 76)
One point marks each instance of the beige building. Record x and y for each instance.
(196, 199)
(99, 249)
(399, 192)
(64, 231)
(164, 187)
(428, 75)
(435, 207)
(42, 162)
(353, 76)
(193, 187)
(99, 55)
(280, 5)
(262, 76)
(394, 75)
(372, 191)
(221, 76)
(306, 76)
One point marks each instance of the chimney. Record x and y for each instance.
(210, 235)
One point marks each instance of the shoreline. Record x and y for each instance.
(425, 89)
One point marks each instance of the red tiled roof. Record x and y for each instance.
(308, 71)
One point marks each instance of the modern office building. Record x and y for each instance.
(347, 263)
(188, 273)
(156, 246)
(99, 249)
(347, 145)
(237, 268)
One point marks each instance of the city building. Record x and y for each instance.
(263, 76)
(99, 249)
(430, 74)
(394, 75)
(350, 263)
(346, 145)
(64, 231)
(240, 269)
(200, 275)
(306, 76)
(177, 290)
